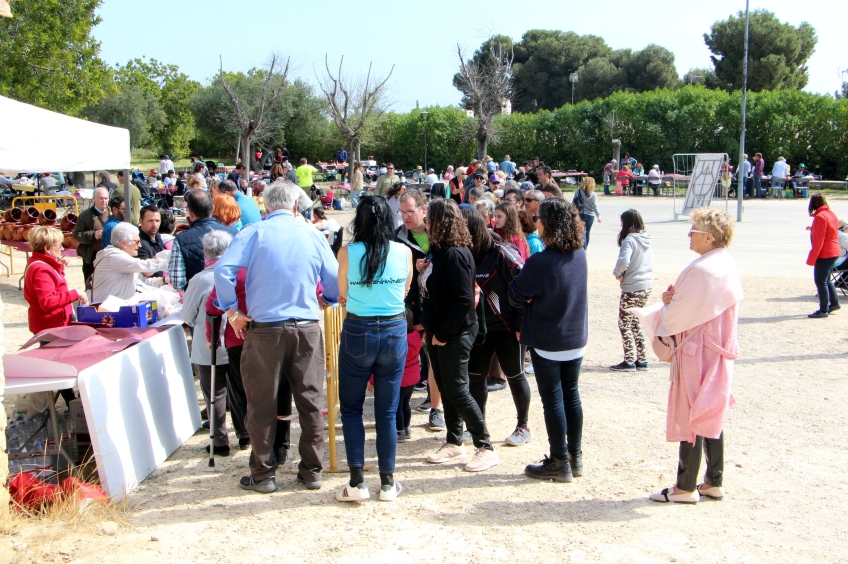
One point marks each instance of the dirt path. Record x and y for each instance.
(785, 471)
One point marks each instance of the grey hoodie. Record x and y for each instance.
(636, 263)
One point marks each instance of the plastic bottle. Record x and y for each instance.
(14, 445)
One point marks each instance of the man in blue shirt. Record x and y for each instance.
(341, 156)
(508, 167)
(285, 259)
(117, 207)
(248, 206)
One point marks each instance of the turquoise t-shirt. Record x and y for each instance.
(386, 294)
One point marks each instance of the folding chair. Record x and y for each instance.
(840, 279)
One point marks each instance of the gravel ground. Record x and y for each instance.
(785, 458)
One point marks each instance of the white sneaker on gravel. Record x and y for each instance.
(519, 437)
(390, 493)
(351, 493)
(483, 459)
(447, 453)
(528, 368)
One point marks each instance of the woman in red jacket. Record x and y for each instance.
(823, 255)
(45, 288)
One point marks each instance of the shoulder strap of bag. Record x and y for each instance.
(689, 336)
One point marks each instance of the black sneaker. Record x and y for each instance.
(818, 314)
(316, 485)
(244, 443)
(268, 485)
(641, 365)
(220, 450)
(280, 455)
(495, 386)
(833, 308)
(437, 421)
(550, 469)
(424, 405)
(576, 463)
(623, 366)
(205, 425)
(420, 386)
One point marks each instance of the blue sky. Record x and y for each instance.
(420, 39)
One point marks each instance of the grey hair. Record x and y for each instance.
(104, 176)
(215, 243)
(537, 195)
(124, 232)
(281, 195)
(486, 203)
(258, 182)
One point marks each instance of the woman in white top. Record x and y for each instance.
(393, 199)
(116, 270)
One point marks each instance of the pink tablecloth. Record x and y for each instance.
(23, 246)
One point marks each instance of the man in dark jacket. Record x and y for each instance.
(187, 253)
(235, 176)
(89, 230)
(547, 184)
(151, 241)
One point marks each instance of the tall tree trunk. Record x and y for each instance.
(616, 151)
(245, 159)
(238, 150)
(482, 146)
(79, 180)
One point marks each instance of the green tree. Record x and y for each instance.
(132, 108)
(173, 90)
(48, 57)
(648, 69)
(704, 76)
(778, 52)
(544, 59)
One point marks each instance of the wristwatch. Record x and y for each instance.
(234, 316)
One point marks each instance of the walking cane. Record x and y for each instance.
(215, 322)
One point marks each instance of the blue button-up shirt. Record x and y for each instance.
(285, 258)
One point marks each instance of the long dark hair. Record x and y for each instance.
(511, 228)
(563, 228)
(481, 238)
(631, 222)
(374, 226)
(816, 201)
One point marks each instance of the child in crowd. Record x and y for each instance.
(411, 376)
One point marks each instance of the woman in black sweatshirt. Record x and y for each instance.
(497, 263)
(447, 313)
(552, 287)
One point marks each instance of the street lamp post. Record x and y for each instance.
(573, 78)
(424, 115)
(740, 180)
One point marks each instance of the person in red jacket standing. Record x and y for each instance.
(823, 255)
(45, 287)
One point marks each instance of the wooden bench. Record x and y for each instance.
(828, 185)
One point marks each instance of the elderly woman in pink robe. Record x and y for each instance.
(698, 316)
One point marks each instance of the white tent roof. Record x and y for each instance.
(38, 140)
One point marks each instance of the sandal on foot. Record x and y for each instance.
(711, 491)
(666, 496)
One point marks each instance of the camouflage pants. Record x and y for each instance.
(631, 330)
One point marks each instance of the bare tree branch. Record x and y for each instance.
(355, 105)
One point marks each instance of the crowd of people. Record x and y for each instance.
(444, 291)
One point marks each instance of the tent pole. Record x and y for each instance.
(127, 193)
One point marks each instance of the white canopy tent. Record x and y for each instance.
(38, 140)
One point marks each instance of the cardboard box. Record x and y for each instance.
(80, 434)
(141, 315)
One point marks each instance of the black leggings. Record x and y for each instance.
(509, 353)
(404, 412)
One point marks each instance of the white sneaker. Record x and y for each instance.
(528, 368)
(350, 493)
(483, 460)
(447, 453)
(390, 493)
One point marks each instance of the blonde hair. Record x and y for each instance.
(715, 222)
(194, 183)
(588, 185)
(42, 237)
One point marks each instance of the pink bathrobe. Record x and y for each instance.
(707, 293)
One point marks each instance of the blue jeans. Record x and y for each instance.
(354, 197)
(557, 383)
(606, 185)
(825, 288)
(378, 348)
(758, 186)
(588, 220)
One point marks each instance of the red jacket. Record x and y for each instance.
(46, 292)
(230, 338)
(824, 236)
